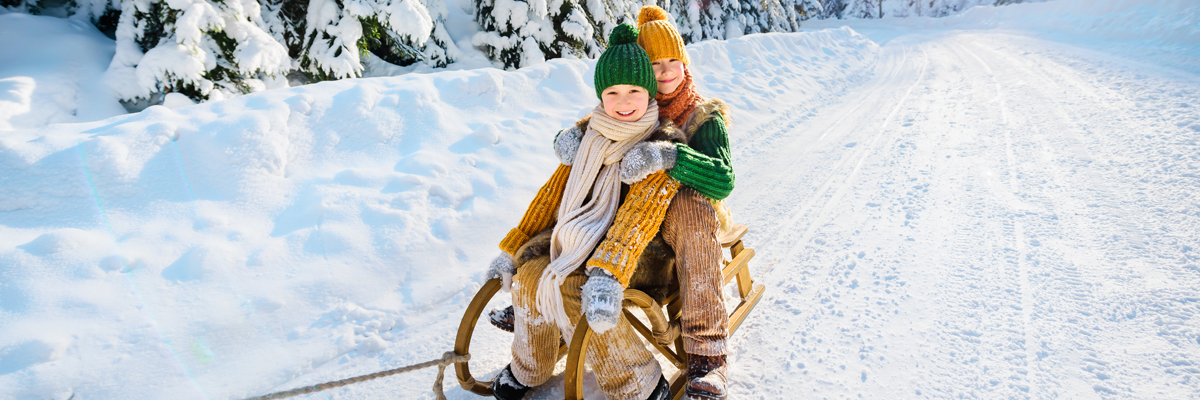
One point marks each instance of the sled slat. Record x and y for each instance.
(642, 329)
(738, 264)
(734, 235)
(743, 309)
(573, 376)
(677, 384)
(466, 328)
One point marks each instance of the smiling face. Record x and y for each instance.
(625, 102)
(669, 73)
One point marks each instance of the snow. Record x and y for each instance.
(50, 72)
(408, 18)
(995, 205)
(1164, 31)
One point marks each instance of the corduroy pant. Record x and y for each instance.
(690, 228)
(624, 368)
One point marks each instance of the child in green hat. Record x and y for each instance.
(576, 248)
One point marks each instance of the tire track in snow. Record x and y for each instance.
(823, 194)
(995, 255)
(1102, 280)
(970, 292)
(1017, 228)
(1128, 265)
(830, 165)
(837, 175)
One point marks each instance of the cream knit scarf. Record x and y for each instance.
(581, 226)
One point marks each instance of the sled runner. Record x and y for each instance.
(663, 332)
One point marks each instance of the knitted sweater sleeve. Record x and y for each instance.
(705, 163)
(637, 221)
(541, 214)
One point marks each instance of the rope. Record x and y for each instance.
(448, 358)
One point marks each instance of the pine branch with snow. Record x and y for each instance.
(410, 31)
(699, 20)
(201, 49)
(337, 34)
(862, 9)
(519, 33)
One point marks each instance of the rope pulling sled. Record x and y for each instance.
(448, 358)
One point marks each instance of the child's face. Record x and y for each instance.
(625, 102)
(669, 73)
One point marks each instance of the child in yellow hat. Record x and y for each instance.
(703, 165)
(701, 161)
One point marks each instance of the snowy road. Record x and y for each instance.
(992, 216)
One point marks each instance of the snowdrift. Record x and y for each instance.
(50, 72)
(223, 249)
(1164, 32)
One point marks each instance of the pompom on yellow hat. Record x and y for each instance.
(659, 37)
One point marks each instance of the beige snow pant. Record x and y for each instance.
(690, 228)
(624, 368)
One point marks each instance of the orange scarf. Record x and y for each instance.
(678, 105)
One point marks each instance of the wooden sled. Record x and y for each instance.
(662, 333)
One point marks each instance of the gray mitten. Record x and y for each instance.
(566, 144)
(502, 267)
(602, 296)
(647, 158)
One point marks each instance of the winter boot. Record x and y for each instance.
(506, 386)
(502, 318)
(706, 377)
(662, 391)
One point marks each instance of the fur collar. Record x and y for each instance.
(705, 111)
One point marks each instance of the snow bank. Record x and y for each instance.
(1165, 32)
(49, 72)
(223, 249)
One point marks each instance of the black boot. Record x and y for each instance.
(506, 386)
(502, 318)
(706, 378)
(662, 391)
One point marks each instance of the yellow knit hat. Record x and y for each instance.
(659, 37)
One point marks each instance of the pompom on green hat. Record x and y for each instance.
(624, 62)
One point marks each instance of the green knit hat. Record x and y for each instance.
(624, 62)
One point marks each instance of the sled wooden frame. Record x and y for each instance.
(660, 323)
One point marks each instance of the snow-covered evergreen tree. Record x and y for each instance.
(607, 14)
(862, 9)
(942, 8)
(519, 33)
(776, 16)
(198, 48)
(104, 14)
(285, 21)
(699, 20)
(337, 33)
(408, 37)
(805, 9)
(835, 8)
(19, 6)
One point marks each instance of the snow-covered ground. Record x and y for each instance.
(993, 216)
(961, 211)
